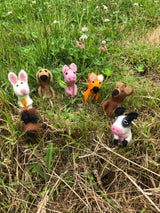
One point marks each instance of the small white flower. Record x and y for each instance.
(56, 22)
(33, 2)
(84, 9)
(106, 20)
(84, 29)
(10, 13)
(83, 37)
(103, 42)
(135, 4)
(105, 7)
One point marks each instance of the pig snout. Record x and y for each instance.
(116, 130)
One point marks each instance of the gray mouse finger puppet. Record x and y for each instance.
(45, 78)
(121, 127)
(21, 89)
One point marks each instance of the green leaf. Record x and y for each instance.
(107, 71)
(49, 156)
(62, 84)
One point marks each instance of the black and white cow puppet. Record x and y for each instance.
(121, 126)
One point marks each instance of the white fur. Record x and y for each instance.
(100, 78)
(20, 87)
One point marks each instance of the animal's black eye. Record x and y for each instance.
(40, 71)
(122, 90)
(93, 82)
(66, 73)
(17, 85)
(21, 82)
(125, 123)
(100, 82)
(74, 72)
(45, 70)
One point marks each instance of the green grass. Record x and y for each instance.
(75, 167)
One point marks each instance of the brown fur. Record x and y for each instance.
(44, 78)
(118, 95)
(30, 122)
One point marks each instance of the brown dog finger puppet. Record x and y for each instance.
(45, 78)
(119, 93)
(95, 82)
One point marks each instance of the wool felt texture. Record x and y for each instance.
(21, 89)
(95, 82)
(29, 118)
(121, 128)
(119, 93)
(70, 79)
(44, 77)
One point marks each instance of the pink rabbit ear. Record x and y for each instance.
(65, 68)
(22, 76)
(12, 78)
(73, 67)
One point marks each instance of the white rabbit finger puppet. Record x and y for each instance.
(121, 127)
(21, 89)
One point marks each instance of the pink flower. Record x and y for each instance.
(80, 44)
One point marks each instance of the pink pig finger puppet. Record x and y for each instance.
(21, 89)
(121, 127)
(70, 78)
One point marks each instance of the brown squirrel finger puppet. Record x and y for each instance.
(45, 78)
(30, 122)
(119, 93)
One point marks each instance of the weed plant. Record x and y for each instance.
(75, 167)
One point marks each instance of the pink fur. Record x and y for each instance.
(70, 78)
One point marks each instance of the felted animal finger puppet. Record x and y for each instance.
(21, 88)
(119, 93)
(95, 82)
(45, 78)
(30, 118)
(121, 127)
(70, 79)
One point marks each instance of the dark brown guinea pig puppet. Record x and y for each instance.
(119, 93)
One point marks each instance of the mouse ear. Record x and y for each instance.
(12, 78)
(65, 69)
(128, 90)
(92, 76)
(73, 67)
(22, 76)
(119, 111)
(119, 84)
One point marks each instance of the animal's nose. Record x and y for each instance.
(116, 130)
(43, 77)
(95, 89)
(23, 91)
(115, 92)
